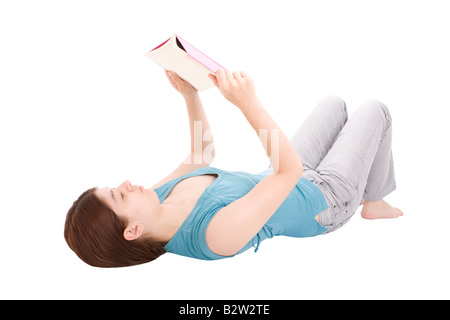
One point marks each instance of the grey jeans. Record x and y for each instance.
(348, 160)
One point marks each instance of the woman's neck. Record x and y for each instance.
(167, 222)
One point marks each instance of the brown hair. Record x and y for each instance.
(95, 233)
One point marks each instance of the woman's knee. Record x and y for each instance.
(336, 104)
(334, 101)
(378, 109)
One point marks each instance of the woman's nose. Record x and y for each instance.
(127, 185)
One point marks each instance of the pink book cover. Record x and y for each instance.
(199, 56)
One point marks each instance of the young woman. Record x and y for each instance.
(317, 181)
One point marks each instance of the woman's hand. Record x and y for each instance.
(236, 87)
(182, 86)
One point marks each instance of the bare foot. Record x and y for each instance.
(379, 209)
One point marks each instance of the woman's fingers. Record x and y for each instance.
(237, 75)
(245, 75)
(176, 77)
(169, 76)
(230, 77)
(181, 85)
(214, 79)
(221, 76)
(224, 78)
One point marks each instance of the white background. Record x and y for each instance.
(81, 106)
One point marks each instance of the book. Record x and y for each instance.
(175, 54)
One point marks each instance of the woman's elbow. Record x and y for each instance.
(209, 154)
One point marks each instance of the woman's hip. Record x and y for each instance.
(342, 204)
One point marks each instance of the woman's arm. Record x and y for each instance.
(237, 223)
(202, 145)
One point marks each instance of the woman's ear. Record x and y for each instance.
(133, 232)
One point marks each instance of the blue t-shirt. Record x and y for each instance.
(294, 218)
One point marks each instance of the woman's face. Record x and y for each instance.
(135, 204)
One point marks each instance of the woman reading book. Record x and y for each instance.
(316, 182)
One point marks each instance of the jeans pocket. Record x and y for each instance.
(336, 203)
